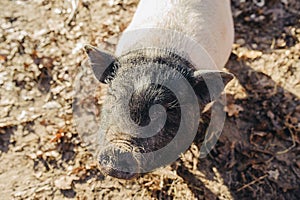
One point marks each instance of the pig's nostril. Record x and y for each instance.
(118, 164)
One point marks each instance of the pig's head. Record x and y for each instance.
(142, 112)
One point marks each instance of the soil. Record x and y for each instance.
(43, 157)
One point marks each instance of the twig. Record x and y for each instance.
(293, 11)
(74, 4)
(252, 182)
(291, 147)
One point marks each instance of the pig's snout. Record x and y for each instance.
(118, 163)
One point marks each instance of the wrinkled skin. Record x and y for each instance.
(134, 89)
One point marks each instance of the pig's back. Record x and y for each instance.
(208, 22)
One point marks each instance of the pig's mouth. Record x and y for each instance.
(118, 163)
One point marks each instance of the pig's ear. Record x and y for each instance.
(102, 63)
(209, 84)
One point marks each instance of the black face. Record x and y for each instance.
(138, 82)
(139, 95)
(119, 159)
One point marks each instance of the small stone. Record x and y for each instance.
(52, 105)
(240, 41)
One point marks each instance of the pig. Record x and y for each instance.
(166, 68)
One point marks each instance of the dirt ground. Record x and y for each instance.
(43, 157)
